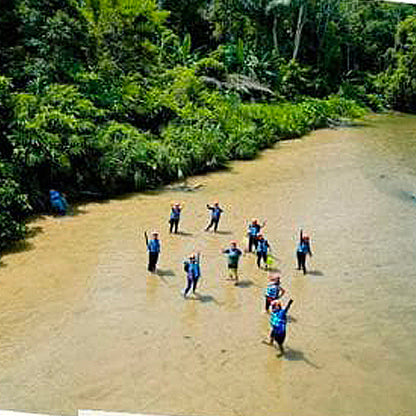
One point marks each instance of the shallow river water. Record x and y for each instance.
(84, 326)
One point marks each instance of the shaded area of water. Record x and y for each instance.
(82, 325)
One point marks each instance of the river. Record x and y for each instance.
(84, 326)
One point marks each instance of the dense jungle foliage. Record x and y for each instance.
(99, 97)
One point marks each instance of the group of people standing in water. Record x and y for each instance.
(257, 243)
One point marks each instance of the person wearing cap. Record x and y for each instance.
(263, 247)
(175, 216)
(233, 255)
(193, 273)
(253, 231)
(303, 249)
(273, 291)
(153, 247)
(278, 321)
(216, 212)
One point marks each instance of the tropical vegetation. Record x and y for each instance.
(100, 97)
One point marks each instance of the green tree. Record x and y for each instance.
(399, 81)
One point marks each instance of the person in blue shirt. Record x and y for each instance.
(175, 216)
(58, 202)
(278, 321)
(303, 249)
(253, 231)
(153, 247)
(273, 291)
(193, 273)
(216, 212)
(263, 247)
(233, 255)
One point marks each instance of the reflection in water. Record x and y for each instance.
(83, 325)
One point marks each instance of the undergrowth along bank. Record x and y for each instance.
(65, 141)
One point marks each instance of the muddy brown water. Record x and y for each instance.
(83, 325)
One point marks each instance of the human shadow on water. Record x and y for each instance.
(205, 298)
(296, 355)
(224, 232)
(184, 233)
(165, 273)
(315, 273)
(245, 283)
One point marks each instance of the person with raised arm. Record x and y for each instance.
(278, 322)
(153, 247)
(253, 232)
(263, 248)
(193, 273)
(233, 255)
(175, 216)
(303, 249)
(216, 212)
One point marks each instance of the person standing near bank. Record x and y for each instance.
(216, 212)
(58, 202)
(153, 247)
(303, 249)
(233, 255)
(175, 216)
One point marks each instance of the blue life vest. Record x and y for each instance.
(262, 246)
(154, 246)
(192, 269)
(57, 201)
(278, 320)
(175, 213)
(272, 290)
(216, 213)
(304, 247)
(253, 229)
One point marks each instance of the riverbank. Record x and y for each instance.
(118, 158)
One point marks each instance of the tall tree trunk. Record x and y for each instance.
(301, 22)
(276, 46)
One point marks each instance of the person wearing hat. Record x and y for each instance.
(278, 321)
(233, 255)
(303, 249)
(216, 212)
(175, 216)
(193, 273)
(153, 247)
(253, 232)
(273, 291)
(263, 247)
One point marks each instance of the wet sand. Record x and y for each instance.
(84, 326)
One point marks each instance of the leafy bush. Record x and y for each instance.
(127, 158)
(14, 208)
(52, 135)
